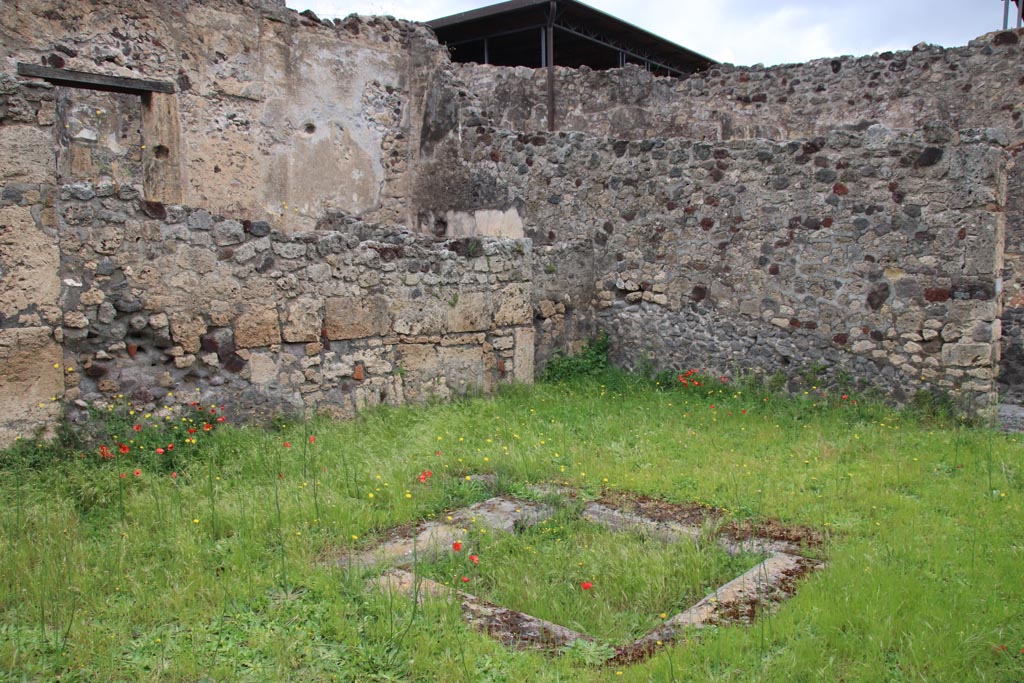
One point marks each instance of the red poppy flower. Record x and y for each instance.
(422, 478)
(312, 439)
(474, 559)
(160, 451)
(437, 453)
(137, 428)
(221, 418)
(743, 412)
(457, 546)
(465, 579)
(170, 446)
(174, 475)
(105, 452)
(123, 475)
(845, 397)
(123, 448)
(586, 585)
(713, 406)
(287, 444)
(137, 473)
(192, 430)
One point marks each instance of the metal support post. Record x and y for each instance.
(551, 64)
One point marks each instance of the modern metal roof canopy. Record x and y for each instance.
(539, 33)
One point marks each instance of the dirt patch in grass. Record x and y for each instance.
(773, 530)
(688, 514)
(696, 514)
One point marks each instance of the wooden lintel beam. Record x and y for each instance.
(82, 79)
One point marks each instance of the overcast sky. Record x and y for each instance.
(752, 31)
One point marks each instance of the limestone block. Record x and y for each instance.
(29, 381)
(302, 320)
(92, 297)
(28, 154)
(196, 259)
(418, 358)
(29, 263)
(262, 368)
(75, 320)
(966, 354)
(220, 313)
(186, 330)
(424, 316)
(974, 170)
(420, 365)
(523, 359)
(289, 249)
(863, 346)
(463, 366)
(356, 318)
(514, 306)
(258, 326)
(486, 222)
(471, 312)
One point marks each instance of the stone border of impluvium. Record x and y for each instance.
(756, 590)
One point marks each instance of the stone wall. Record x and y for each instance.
(276, 116)
(873, 253)
(105, 294)
(31, 362)
(964, 87)
(330, 215)
(567, 195)
(162, 298)
(1011, 376)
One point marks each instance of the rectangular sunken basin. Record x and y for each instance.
(625, 574)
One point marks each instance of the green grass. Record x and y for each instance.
(215, 574)
(635, 582)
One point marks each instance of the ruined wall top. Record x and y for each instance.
(963, 87)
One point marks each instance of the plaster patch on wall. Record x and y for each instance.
(485, 223)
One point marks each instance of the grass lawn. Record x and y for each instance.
(203, 562)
